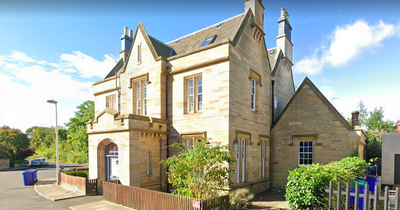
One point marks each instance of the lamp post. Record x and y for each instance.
(57, 158)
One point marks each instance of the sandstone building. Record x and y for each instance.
(222, 83)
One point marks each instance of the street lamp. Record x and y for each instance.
(57, 158)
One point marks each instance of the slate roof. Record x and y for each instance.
(161, 48)
(226, 29)
(116, 68)
(272, 56)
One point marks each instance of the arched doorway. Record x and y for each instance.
(111, 162)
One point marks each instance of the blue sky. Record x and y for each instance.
(58, 49)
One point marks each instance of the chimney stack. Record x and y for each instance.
(284, 38)
(258, 11)
(126, 42)
(354, 118)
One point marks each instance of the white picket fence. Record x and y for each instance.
(390, 198)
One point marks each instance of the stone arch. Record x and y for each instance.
(101, 158)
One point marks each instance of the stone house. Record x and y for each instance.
(221, 83)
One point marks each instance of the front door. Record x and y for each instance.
(112, 162)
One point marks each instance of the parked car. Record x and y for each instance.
(39, 162)
(26, 161)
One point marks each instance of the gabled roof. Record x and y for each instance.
(323, 99)
(226, 29)
(116, 68)
(162, 49)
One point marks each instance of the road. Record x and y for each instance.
(15, 196)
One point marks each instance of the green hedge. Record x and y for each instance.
(305, 187)
(84, 174)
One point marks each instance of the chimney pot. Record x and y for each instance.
(125, 30)
(354, 118)
(131, 33)
(283, 12)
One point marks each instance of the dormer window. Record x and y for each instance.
(208, 41)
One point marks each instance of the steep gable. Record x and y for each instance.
(307, 83)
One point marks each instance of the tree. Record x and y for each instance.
(12, 141)
(376, 127)
(77, 139)
(199, 172)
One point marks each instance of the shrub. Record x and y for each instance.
(200, 172)
(305, 187)
(84, 174)
(240, 198)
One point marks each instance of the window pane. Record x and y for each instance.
(191, 103)
(301, 144)
(190, 87)
(144, 89)
(253, 86)
(199, 85)
(138, 96)
(200, 102)
(190, 144)
(243, 149)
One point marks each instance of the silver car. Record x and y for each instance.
(38, 162)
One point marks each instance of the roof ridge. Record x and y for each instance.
(206, 28)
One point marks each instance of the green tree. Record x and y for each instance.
(12, 142)
(77, 139)
(199, 172)
(376, 127)
(43, 139)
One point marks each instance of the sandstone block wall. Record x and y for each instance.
(308, 118)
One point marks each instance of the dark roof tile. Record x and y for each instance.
(226, 29)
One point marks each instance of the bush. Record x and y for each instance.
(84, 174)
(200, 172)
(240, 199)
(305, 187)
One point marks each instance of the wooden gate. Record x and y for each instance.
(91, 186)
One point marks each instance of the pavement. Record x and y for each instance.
(48, 189)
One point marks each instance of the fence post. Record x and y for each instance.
(347, 196)
(356, 196)
(386, 201)
(366, 197)
(330, 194)
(339, 195)
(376, 197)
(397, 198)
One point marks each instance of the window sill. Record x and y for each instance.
(194, 113)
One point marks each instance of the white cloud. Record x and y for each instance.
(328, 92)
(88, 66)
(345, 44)
(346, 105)
(389, 104)
(21, 56)
(26, 84)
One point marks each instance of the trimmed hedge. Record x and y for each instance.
(305, 187)
(84, 174)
